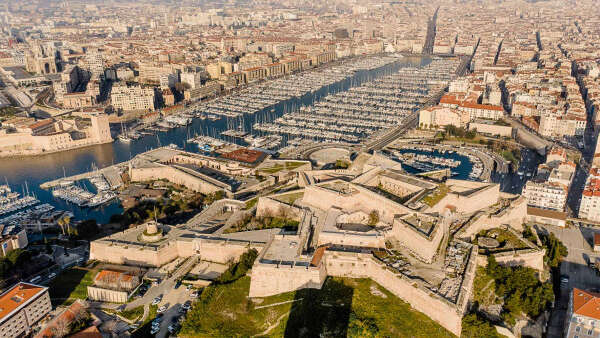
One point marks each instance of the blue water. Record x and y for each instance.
(463, 170)
(36, 170)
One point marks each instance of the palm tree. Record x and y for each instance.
(65, 222)
(61, 223)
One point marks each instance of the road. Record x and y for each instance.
(172, 298)
(579, 243)
(430, 38)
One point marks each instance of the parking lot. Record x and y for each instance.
(579, 241)
(171, 298)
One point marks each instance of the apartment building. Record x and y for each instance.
(546, 195)
(583, 314)
(589, 207)
(12, 237)
(22, 307)
(133, 97)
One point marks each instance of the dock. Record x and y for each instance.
(112, 173)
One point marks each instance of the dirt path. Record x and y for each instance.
(271, 327)
(280, 303)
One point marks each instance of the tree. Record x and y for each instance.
(373, 218)
(18, 257)
(555, 250)
(5, 268)
(473, 326)
(88, 229)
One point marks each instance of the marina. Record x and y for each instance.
(206, 128)
(353, 115)
(419, 159)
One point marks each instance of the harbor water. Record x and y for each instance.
(27, 173)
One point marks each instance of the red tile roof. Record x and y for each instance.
(586, 303)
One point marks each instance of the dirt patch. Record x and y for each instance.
(376, 292)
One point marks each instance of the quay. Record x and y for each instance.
(113, 172)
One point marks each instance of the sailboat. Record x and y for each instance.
(123, 136)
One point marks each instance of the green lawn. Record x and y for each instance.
(146, 326)
(70, 285)
(434, 197)
(483, 288)
(289, 198)
(134, 313)
(251, 203)
(279, 167)
(344, 307)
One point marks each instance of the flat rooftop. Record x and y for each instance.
(283, 249)
(18, 73)
(17, 297)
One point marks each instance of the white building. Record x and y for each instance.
(23, 306)
(132, 97)
(590, 198)
(94, 62)
(583, 314)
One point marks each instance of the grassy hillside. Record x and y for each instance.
(352, 307)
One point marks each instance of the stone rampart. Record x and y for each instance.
(267, 206)
(272, 279)
(434, 306)
(529, 257)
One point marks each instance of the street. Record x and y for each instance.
(172, 298)
(579, 241)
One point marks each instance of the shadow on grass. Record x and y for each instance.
(66, 283)
(323, 312)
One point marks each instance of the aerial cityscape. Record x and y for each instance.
(337, 168)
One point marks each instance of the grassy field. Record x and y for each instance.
(289, 198)
(146, 326)
(344, 307)
(70, 285)
(133, 314)
(284, 166)
(436, 196)
(483, 288)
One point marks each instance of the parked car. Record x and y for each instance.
(188, 287)
(154, 330)
(157, 300)
(194, 294)
(177, 285)
(162, 309)
(52, 275)
(187, 305)
(172, 328)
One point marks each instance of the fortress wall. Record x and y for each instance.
(185, 248)
(469, 204)
(268, 206)
(133, 254)
(529, 258)
(272, 279)
(175, 176)
(417, 242)
(514, 216)
(351, 239)
(363, 266)
(364, 200)
(221, 251)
